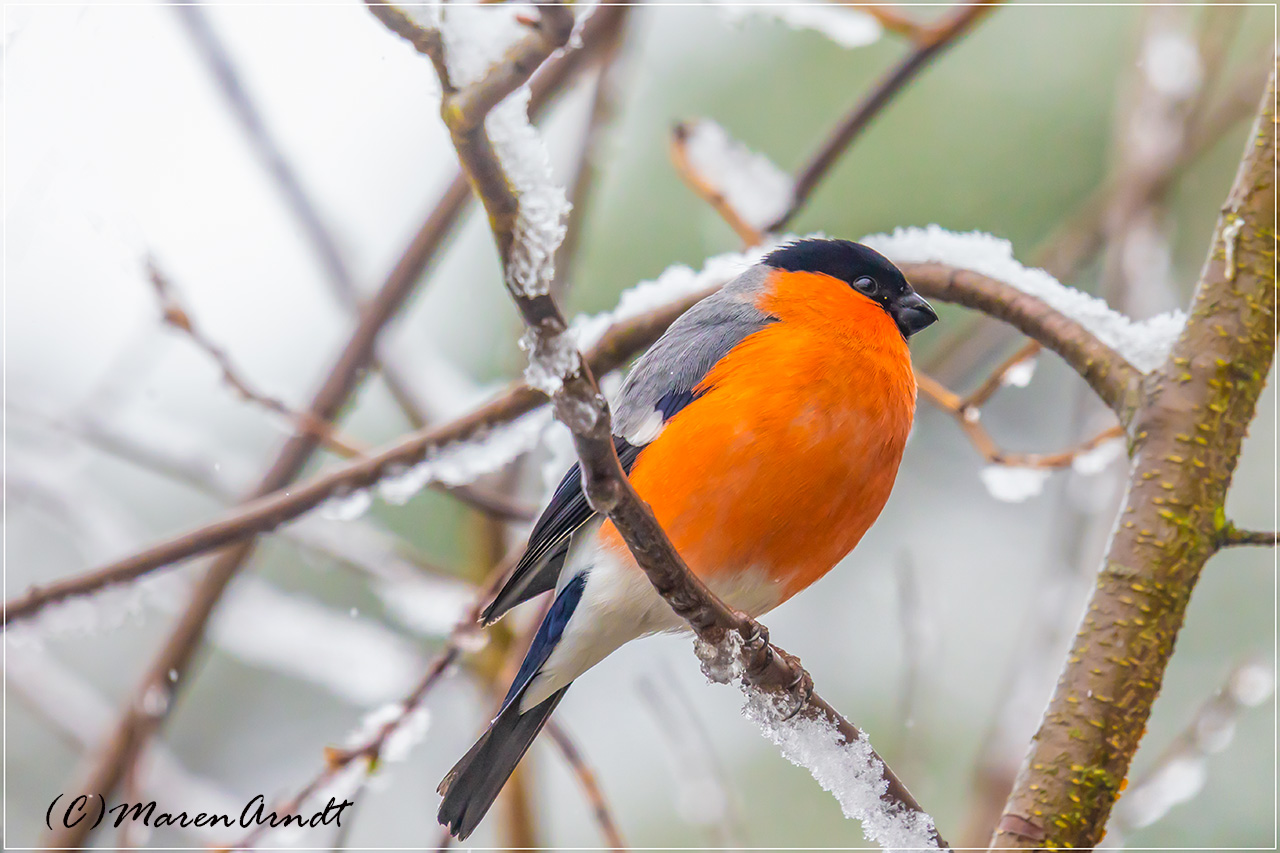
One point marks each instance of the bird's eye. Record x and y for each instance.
(865, 285)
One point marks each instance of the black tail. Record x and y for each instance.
(474, 782)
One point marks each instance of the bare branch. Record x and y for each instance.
(590, 787)
(938, 39)
(176, 316)
(1231, 536)
(967, 415)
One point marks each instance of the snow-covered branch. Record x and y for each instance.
(780, 694)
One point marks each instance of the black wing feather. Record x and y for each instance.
(539, 567)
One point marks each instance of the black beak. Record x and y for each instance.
(912, 314)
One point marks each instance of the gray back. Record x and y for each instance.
(680, 359)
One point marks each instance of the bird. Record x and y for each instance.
(764, 428)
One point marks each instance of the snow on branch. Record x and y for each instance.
(771, 678)
(745, 188)
(850, 770)
(846, 26)
(1144, 344)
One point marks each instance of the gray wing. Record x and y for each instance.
(660, 385)
(663, 379)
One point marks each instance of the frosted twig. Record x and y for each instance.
(935, 40)
(1106, 371)
(745, 188)
(586, 777)
(177, 317)
(968, 416)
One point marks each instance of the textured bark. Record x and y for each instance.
(1185, 434)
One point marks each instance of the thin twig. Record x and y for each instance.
(968, 416)
(999, 377)
(1111, 377)
(292, 189)
(176, 316)
(586, 777)
(706, 190)
(939, 37)
(892, 18)
(1232, 536)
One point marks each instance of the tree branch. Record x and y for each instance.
(586, 777)
(176, 316)
(1231, 536)
(1111, 377)
(937, 39)
(1187, 430)
(966, 415)
(264, 514)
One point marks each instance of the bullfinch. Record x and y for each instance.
(764, 428)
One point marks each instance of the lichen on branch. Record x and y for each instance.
(1186, 428)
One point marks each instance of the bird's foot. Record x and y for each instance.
(800, 690)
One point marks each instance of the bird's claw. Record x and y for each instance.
(800, 689)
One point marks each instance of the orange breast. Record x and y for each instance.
(788, 458)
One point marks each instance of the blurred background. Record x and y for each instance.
(941, 635)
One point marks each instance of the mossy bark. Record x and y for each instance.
(1185, 439)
